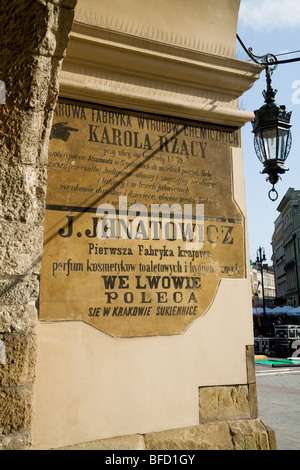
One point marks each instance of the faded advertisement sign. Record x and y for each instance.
(140, 221)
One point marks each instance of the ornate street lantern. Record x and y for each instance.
(272, 135)
(271, 125)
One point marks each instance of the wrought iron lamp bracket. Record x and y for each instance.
(269, 62)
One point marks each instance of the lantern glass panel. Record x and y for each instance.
(259, 147)
(270, 143)
(283, 135)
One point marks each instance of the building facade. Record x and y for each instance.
(286, 249)
(263, 284)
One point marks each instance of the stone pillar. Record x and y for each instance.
(33, 40)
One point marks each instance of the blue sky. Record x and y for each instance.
(270, 26)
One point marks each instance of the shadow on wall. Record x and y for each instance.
(138, 164)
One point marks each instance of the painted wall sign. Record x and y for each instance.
(140, 221)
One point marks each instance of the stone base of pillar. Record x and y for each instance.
(242, 434)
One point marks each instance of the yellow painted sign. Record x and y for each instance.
(140, 221)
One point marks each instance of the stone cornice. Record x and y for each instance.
(121, 70)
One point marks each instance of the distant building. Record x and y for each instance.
(286, 249)
(269, 285)
(278, 259)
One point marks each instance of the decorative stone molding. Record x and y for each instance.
(112, 68)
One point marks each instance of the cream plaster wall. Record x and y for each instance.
(91, 386)
(200, 24)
